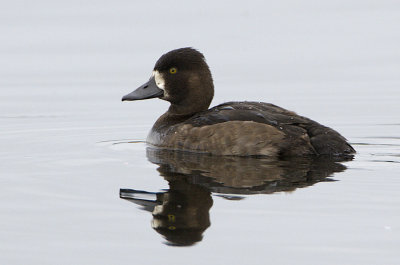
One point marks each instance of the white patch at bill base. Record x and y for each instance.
(160, 82)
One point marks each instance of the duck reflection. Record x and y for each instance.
(181, 213)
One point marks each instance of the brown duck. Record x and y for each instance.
(183, 78)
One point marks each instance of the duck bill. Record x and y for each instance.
(145, 91)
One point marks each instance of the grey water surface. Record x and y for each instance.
(70, 148)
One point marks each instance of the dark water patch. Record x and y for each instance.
(384, 161)
(231, 197)
(371, 144)
(122, 141)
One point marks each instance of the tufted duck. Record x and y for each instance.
(183, 78)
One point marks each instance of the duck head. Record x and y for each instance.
(181, 77)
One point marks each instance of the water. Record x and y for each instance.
(68, 145)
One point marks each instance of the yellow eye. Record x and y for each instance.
(173, 70)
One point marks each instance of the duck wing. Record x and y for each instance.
(297, 129)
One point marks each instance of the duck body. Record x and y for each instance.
(247, 129)
(233, 128)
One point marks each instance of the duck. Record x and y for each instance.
(243, 128)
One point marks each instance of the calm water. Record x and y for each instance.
(69, 148)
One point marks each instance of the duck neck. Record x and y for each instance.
(176, 114)
(184, 110)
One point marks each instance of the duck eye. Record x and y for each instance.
(173, 70)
